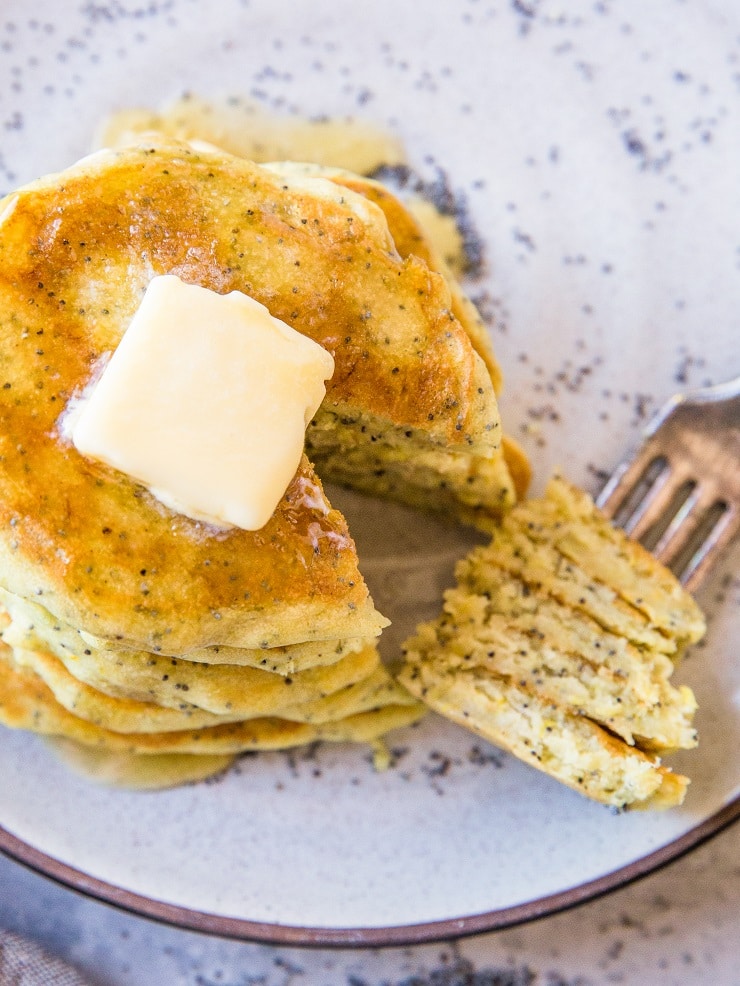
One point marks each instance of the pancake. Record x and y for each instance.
(558, 644)
(343, 151)
(632, 698)
(470, 489)
(34, 626)
(123, 568)
(568, 521)
(268, 696)
(474, 489)
(572, 749)
(410, 240)
(27, 703)
(563, 545)
(136, 771)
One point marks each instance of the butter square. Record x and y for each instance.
(205, 401)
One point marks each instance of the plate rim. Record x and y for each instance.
(273, 933)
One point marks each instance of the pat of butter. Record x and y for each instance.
(206, 402)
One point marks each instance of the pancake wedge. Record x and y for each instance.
(558, 644)
(410, 239)
(574, 750)
(475, 488)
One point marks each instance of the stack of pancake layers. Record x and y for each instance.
(161, 646)
(558, 644)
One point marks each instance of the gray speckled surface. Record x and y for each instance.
(677, 927)
(606, 195)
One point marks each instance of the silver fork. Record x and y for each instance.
(679, 493)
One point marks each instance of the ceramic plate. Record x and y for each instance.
(594, 148)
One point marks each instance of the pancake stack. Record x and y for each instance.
(151, 719)
(136, 630)
(558, 644)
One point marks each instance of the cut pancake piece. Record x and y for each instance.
(571, 561)
(572, 749)
(27, 703)
(568, 520)
(97, 550)
(631, 697)
(550, 662)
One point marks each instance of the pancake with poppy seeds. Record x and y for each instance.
(140, 712)
(94, 547)
(26, 702)
(473, 488)
(34, 626)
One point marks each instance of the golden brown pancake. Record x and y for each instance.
(474, 489)
(343, 151)
(269, 695)
(27, 703)
(411, 240)
(34, 626)
(76, 253)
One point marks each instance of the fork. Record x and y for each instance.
(679, 493)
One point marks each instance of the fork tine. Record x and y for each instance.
(685, 522)
(716, 541)
(668, 508)
(680, 493)
(651, 507)
(659, 495)
(627, 478)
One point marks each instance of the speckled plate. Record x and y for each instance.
(596, 146)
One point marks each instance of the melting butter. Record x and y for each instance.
(206, 402)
